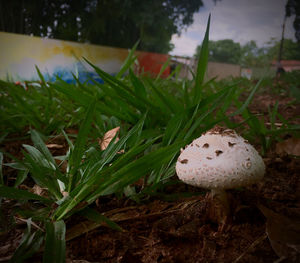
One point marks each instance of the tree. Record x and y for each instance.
(225, 50)
(250, 55)
(293, 8)
(254, 56)
(291, 50)
(43, 17)
(119, 23)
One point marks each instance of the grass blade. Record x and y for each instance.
(121, 89)
(91, 181)
(14, 193)
(128, 61)
(85, 99)
(30, 244)
(95, 216)
(202, 64)
(163, 68)
(248, 100)
(135, 170)
(40, 145)
(110, 152)
(193, 120)
(108, 182)
(167, 102)
(138, 85)
(42, 171)
(40, 74)
(55, 245)
(173, 128)
(1, 173)
(79, 147)
(22, 175)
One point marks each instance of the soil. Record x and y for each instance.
(185, 229)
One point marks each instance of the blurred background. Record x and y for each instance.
(253, 38)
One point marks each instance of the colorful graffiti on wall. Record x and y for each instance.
(19, 54)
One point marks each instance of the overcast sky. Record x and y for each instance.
(240, 20)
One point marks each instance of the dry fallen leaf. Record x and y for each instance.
(290, 146)
(64, 193)
(108, 136)
(36, 189)
(283, 233)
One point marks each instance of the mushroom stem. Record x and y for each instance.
(220, 196)
(220, 200)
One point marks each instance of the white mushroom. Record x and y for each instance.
(218, 160)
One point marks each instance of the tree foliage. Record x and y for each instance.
(253, 56)
(225, 50)
(250, 55)
(293, 8)
(119, 23)
(291, 49)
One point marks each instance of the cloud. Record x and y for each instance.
(184, 45)
(240, 20)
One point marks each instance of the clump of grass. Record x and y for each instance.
(37, 105)
(154, 126)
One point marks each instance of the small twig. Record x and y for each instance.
(33, 224)
(54, 146)
(254, 244)
(277, 124)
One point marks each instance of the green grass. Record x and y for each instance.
(157, 117)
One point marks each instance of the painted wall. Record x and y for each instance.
(19, 54)
(222, 70)
(214, 69)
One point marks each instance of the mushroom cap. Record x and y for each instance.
(220, 158)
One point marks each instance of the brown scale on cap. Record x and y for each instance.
(205, 145)
(216, 130)
(222, 131)
(229, 133)
(208, 158)
(218, 152)
(184, 161)
(231, 144)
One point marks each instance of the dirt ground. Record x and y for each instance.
(185, 230)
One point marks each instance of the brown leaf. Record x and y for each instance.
(71, 131)
(64, 193)
(36, 189)
(290, 146)
(108, 136)
(283, 233)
